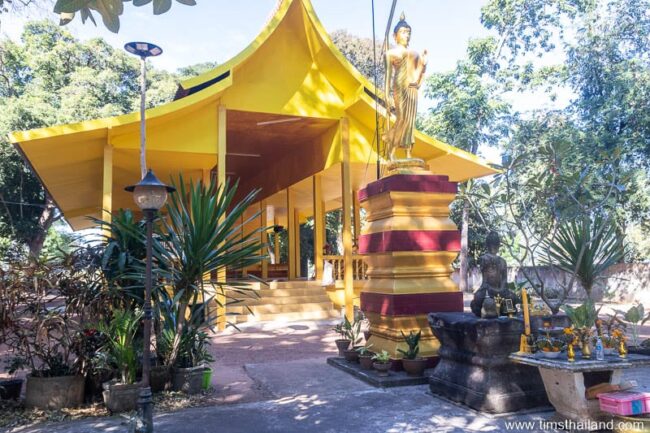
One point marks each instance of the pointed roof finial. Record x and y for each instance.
(402, 17)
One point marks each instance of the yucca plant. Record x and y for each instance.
(123, 257)
(120, 333)
(202, 235)
(413, 342)
(585, 248)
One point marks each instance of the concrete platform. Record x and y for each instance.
(394, 378)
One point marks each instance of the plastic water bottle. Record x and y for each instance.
(600, 352)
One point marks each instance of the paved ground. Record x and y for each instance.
(273, 378)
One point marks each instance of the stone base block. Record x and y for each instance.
(474, 368)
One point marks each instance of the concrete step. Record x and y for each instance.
(296, 284)
(294, 316)
(280, 308)
(278, 293)
(284, 300)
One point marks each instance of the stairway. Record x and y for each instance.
(284, 300)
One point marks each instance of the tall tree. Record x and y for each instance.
(52, 78)
(467, 111)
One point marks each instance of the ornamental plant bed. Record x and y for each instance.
(412, 364)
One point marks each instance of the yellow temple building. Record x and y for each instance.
(288, 115)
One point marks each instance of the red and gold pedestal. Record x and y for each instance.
(410, 244)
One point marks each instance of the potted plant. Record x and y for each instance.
(381, 363)
(583, 318)
(121, 394)
(343, 342)
(412, 364)
(365, 357)
(633, 318)
(353, 333)
(189, 373)
(41, 338)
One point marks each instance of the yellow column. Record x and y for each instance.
(107, 184)
(319, 226)
(264, 238)
(291, 235)
(221, 180)
(357, 216)
(346, 191)
(276, 248)
(296, 220)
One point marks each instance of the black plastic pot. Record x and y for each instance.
(10, 389)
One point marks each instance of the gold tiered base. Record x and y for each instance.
(406, 166)
(409, 243)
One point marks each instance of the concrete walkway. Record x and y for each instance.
(273, 377)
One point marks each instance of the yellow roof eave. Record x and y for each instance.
(210, 94)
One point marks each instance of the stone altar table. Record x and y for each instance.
(566, 382)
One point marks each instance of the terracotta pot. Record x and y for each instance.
(366, 362)
(351, 355)
(341, 345)
(120, 397)
(160, 378)
(382, 368)
(54, 392)
(10, 389)
(188, 380)
(414, 367)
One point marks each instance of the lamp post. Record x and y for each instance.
(143, 50)
(150, 195)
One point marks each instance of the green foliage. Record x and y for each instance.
(365, 350)
(359, 51)
(583, 316)
(382, 358)
(109, 10)
(123, 257)
(634, 317)
(51, 78)
(352, 330)
(585, 248)
(121, 342)
(202, 236)
(413, 342)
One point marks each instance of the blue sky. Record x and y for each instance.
(215, 30)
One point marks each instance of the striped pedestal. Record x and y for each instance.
(409, 243)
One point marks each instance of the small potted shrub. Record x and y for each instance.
(121, 394)
(413, 365)
(633, 319)
(189, 371)
(10, 388)
(381, 363)
(365, 357)
(343, 342)
(353, 333)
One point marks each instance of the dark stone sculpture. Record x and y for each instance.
(495, 276)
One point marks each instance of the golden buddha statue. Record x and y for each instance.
(404, 71)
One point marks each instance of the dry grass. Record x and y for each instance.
(15, 414)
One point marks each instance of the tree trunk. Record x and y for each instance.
(45, 221)
(464, 249)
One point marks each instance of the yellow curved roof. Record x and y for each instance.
(291, 70)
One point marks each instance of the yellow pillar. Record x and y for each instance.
(291, 236)
(357, 216)
(296, 220)
(319, 226)
(346, 192)
(276, 248)
(107, 184)
(220, 296)
(264, 239)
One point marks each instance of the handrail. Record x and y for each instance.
(359, 266)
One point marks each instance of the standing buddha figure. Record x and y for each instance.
(404, 71)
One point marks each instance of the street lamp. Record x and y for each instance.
(143, 50)
(150, 195)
